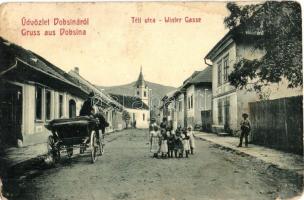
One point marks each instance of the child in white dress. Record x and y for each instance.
(186, 143)
(164, 144)
(154, 141)
(192, 140)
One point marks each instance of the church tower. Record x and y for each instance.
(142, 89)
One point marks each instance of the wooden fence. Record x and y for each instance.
(278, 123)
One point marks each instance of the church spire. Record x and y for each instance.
(140, 81)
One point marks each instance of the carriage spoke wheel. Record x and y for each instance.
(52, 148)
(94, 146)
(69, 151)
(100, 146)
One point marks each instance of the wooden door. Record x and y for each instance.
(10, 113)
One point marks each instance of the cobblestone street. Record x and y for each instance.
(127, 171)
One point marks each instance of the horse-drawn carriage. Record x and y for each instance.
(82, 132)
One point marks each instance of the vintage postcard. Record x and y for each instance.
(151, 100)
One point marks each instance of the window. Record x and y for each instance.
(219, 72)
(38, 102)
(137, 92)
(72, 108)
(226, 67)
(227, 111)
(220, 112)
(144, 117)
(60, 105)
(188, 100)
(145, 93)
(191, 101)
(47, 105)
(180, 103)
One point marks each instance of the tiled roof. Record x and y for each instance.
(10, 52)
(83, 83)
(131, 102)
(192, 75)
(204, 76)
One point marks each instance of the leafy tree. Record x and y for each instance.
(126, 117)
(277, 29)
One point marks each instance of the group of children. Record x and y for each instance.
(167, 143)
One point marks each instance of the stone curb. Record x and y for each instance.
(238, 152)
(17, 173)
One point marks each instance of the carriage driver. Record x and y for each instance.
(88, 109)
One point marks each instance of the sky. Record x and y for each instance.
(114, 48)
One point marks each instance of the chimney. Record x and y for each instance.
(76, 69)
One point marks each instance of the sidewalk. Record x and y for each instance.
(34, 146)
(18, 164)
(282, 160)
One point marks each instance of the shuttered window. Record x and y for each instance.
(38, 101)
(48, 105)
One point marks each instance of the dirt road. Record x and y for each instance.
(127, 171)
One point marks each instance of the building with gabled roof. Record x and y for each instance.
(33, 92)
(111, 109)
(229, 103)
(190, 104)
(138, 110)
(197, 93)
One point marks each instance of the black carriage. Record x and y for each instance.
(67, 134)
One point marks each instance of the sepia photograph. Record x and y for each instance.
(151, 100)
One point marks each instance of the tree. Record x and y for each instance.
(126, 117)
(278, 31)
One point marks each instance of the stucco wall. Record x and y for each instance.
(203, 101)
(190, 92)
(225, 87)
(280, 90)
(118, 123)
(29, 123)
(245, 50)
(233, 98)
(140, 123)
(180, 113)
(239, 99)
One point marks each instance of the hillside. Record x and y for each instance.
(158, 90)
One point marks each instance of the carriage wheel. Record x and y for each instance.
(70, 151)
(93, 146)
(82, 149)
(52, 148)
(100, 146)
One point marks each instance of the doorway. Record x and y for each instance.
(72, 108)
(10, 113)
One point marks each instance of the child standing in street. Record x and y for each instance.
(154, 141)
(164, 144)
(178, 149)
(170, 142)
(186, 144)
(191, 140)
